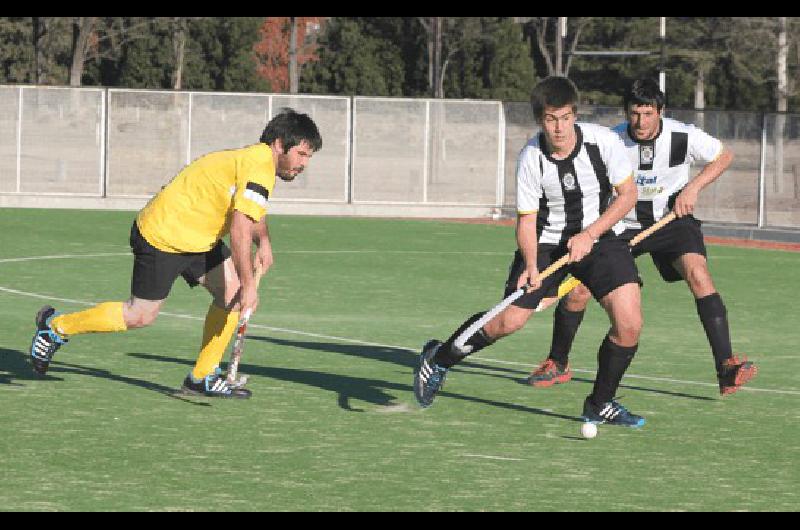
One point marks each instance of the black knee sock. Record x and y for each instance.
(447, 356)
(714, 317)
(565, 326)
(612, 361)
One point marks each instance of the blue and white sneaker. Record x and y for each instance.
(611, 413)
(239, 383)
(46, 341)
(429, 377)
(213, 385)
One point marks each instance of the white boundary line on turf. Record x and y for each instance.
(488, 457)
(63, 256)
(253, 325)
(653, 378)
(365, 251)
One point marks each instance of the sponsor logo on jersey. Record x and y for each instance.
(569, 182)
(644, 180)
(646, 154)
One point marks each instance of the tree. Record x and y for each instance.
(354, 63)
(40, 26)
(408, 37)
(279, 57)
(134, 52)
(221, 54)
(15, 53)
(493, 61)
(82, 37)
(447, 36)
(542, 29)
(179, 31)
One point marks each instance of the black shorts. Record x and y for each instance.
(154, 271)
(609, 265)
(667, 244)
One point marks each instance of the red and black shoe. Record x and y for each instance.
(735, 372)
(549, 373)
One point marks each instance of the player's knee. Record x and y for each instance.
(628, 330)
(141, 318)
(510, 324)
(699, 279)
(578, 298)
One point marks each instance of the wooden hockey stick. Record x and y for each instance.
(572, 283)
(465, 335)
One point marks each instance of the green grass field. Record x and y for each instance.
(333, 424)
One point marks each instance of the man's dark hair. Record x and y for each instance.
(554, 91)
(292, 128)
(644, 92)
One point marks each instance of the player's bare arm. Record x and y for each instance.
(581, 244)
(528, 245)
(264, 245)
(687, 199)
(242, 233)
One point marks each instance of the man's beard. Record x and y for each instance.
(288, 175)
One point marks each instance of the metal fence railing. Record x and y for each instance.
(121, 143)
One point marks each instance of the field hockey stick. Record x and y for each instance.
(572, 283)
(510, 299)
(507, 301)
(238, 343)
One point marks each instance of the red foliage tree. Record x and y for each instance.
(272, 51)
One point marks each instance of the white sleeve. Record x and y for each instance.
(529, 183)
(617, 161)
(703, 147)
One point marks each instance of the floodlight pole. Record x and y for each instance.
(561, 32)
(662, 76)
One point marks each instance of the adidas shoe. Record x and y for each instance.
(735, 372)
(239, 383)
(611, 413)
(429, 377)
(213, 385)
(46, 341)
(549, 373)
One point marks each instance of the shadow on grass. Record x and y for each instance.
(373, 391)
(17, 368)
(404, 357)
(14, 367)
(387, 354)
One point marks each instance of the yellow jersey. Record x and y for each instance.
(194, 211)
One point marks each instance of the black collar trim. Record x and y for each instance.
(572, 155)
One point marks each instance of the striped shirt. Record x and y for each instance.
(662, 166)
(570, 194)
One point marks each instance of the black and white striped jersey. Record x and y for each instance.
(662, 166)
(570, 194)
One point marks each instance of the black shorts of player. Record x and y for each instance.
(609, 265)
(676, 238)
(154, 271)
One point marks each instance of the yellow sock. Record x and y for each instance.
(217, 332)
(105, 317)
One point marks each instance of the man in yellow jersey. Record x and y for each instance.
(179, 233)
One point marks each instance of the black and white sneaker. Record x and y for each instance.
(213, 385)
(429, 377)
(611, 413)
(46, 341)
